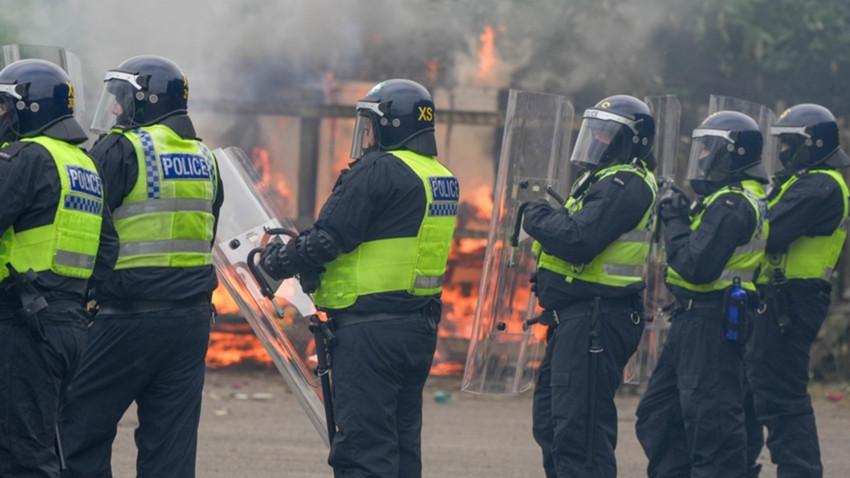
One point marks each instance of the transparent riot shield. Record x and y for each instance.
(282, 324)
(764, 116)
(60, 56)
(504, 350)
(667, 111)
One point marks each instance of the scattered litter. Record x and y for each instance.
(220, 412)
(236, 384)
(262, 396)
(835, 396)
(442, 397)
(240, 396)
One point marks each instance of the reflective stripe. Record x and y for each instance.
(152, 176)
(622, 270)
(74, 259)
(428, 282)
(163, 205)
(728, 275)
(752, 246)
(636, 236)
(164, 247)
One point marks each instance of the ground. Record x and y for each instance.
(253, 427)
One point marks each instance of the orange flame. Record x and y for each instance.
(432, 70)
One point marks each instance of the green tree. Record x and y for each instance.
(765, 50)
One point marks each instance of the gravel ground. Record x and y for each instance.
(252, 426)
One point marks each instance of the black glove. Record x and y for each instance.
(536, 204)
(673, 205)
(310, 280)
(275, 262)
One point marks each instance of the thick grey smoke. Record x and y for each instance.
(555, 46)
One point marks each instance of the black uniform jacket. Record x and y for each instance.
(700, 255)
(612, 206)
(118, 164)
(30, 190)
(379, 197)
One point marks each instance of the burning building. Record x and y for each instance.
(300, 141)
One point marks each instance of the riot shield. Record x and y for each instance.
(65, 59)
(504, 350)
(282, 324)
(667, 111)
(762, 115)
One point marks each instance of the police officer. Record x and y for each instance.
(51, 223)
(589, 281)
(381, 243)
(808, 210)
(690, 420)
(150, 335)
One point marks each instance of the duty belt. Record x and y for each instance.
(345, 319)
(585, 309)
(121, 307)
(696, 304)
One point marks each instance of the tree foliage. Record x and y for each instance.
(769, 51)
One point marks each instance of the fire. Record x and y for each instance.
(224, 303)
(232, 343)
(487, 54)
(487, 58)
(271, 178)
(432, 70)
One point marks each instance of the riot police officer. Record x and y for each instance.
(589, 280)
(380, 247)
(51, 223)
(690, 420)
(151, 332)
(808, 209)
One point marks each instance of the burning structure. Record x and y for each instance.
(299, 143)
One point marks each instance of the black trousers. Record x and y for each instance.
(34, 375)
(154, 359)
(690, 420)
(379, 369)
(562, 393)
(778, 371)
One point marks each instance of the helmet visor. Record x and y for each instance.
(8, 119)
(598, 143)
(116, 106)
(364, 137)
(707, 147)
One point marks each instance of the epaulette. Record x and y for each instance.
(107, 140)
(13, 149)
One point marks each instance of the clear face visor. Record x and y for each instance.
(8, 113)
(364, 137)
(117, 105)
(598, 138)
(706, 146)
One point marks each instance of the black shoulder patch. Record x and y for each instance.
(730, 200)
(105, 142)
(13, 149)
(621, 178)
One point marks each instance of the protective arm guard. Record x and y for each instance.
(305, 253)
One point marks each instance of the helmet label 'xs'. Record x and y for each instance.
(426, 113)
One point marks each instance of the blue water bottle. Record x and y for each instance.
(736, 312)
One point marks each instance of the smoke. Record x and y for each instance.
(555, 46)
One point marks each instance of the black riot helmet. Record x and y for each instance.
(619, 129)
(399, 114)
(142, 91)
(725, 148)
(808, 138)
(34, 95)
